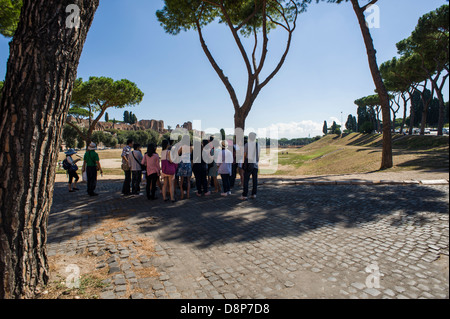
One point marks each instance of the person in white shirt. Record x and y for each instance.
(225, 162)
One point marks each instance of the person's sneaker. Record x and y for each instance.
(229, 193)
(207, 193)
(224, 194)
(243, 198)
(253, 197)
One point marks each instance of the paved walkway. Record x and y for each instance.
(294, 241)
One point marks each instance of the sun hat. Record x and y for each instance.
(70, 152)
(92, 146)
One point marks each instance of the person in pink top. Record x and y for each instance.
(152, 162)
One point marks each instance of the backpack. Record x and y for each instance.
(66, 165)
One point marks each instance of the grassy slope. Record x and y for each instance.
(358, 153)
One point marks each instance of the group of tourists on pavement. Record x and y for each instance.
(173, 169)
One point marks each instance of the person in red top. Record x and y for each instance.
(152, 162)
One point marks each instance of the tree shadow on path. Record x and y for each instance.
(277, 213)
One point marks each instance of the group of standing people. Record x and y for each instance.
(175, 166)
(166, 172)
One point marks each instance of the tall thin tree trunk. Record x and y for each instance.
(386, 160)
(405, 108)
(423, 124)
(438, 89)
(412, 115)
(41, 70)
(393, 122)
(426, 105)
(441, 113)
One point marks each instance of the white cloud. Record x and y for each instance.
(298, 129)
(307, 128)
(333, 119)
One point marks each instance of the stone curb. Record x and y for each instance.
(356, 182)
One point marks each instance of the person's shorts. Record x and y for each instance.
(184, 170)
(213, 171)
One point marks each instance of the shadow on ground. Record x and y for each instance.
(278, 211)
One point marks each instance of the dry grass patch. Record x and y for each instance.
(62, 268)
(104, 229)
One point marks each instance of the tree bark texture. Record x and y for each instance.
(41, 70)
(386, 160)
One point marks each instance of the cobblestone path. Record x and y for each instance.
(293, 241)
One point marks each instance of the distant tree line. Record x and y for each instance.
(111, 137)
(283, 142)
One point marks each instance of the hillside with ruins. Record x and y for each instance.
(155, 125)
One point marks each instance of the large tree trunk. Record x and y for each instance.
(42, 67)
(386, 160)
(239, 121)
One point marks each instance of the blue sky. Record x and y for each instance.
(326, 69)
